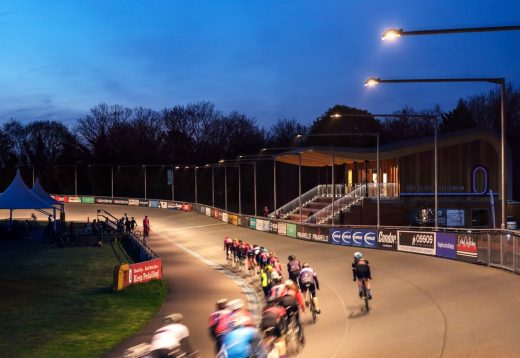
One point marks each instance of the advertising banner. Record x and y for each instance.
(291, 230)
(87, 200)
(312, 233)
(61, 198)
(225, 217)
(144, 203)
(153, 203)
(262, 225)
(103, 200)
(252, 223)
(186, 207)
(121, 201)
(74, 199)
(244, 221)
(420, 242)
(455, 217)
(163, 204)
(233, 219)
(215, 213)
(202, 210)
(446, 244)
(145, 271)
(353, 237)
(273, 227)
(467, 247)
(133, 202)
(174, 205)
(387, 239)
(282, 229)
(208, 212)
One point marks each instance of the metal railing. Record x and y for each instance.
(324, 190)
(499, 249)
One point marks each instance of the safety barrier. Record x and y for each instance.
(497, 248)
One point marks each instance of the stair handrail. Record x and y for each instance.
(326, 212)
(289, 207)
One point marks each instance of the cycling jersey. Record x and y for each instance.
(361, 269)
(242, 342)
(214, 319)
(278, 291)
(307, 275)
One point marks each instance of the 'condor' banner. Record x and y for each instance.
(420, 242)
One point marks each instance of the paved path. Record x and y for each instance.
(422, 306)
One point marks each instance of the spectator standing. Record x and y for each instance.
(133, 224)
(146, 229)
(266, 211)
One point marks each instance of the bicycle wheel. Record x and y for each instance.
(291, 339)
(313, 311)
(365, 295)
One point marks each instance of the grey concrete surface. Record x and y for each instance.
(422, 307)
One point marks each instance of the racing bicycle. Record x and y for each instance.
(309, 302)
(292, 335)
(364, 294)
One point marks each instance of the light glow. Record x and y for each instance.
(372, 81)
(391, 34)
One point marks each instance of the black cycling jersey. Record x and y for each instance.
(361, 269)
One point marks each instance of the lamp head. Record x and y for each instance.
(221, 161)
(177, 167)
(372, 81)
(335, 115)
(392, 34)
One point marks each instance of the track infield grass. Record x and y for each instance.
(59, 302)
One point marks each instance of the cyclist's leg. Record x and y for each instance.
(312, 289)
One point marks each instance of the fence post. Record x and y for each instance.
(489, 249)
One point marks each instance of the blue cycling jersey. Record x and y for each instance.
(243, 342)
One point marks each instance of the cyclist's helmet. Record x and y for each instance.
(221, 304)
(174, 318)
(289, 283)
(306, 264)
(358, 255)
(291, 257)
(234, 305)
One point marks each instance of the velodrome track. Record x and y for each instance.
(422, 307)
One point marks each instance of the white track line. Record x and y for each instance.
(188, 227)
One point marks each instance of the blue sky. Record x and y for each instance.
(268, 59)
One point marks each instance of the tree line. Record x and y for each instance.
(198, 133)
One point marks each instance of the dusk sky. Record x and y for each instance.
(268, 59)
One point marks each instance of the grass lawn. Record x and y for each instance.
(58, 302)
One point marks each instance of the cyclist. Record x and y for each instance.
(171, 336)
(243, 341)
(250, 258)
(309, 281)
(293, 301)
(293, 267)
(264, 257)
(228, 242)
(278, 287)
(273, 261)
(265, 279)
(257, 251)
(273, 318)
(234, 249)
(214, 319)
(237, 316)
(361, 271)
(242, 252)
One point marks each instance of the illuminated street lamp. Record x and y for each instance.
(372, 81)
(391, 34)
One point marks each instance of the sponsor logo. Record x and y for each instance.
(417, 241)
(387, 238)
(466, 246)
(304, 235)
(133, 202)
(163, 204)
(357, 238)
(346, 238)
(336, 237)
(74, 199)
(103, 201)
(369, 239)
(319, 237)
(121, 201)
(144, 203)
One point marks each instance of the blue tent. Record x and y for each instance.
(38, 190)
(19, 196)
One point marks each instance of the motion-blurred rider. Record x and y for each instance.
(171, 336)
(361, 271)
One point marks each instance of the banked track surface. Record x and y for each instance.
(422, 307)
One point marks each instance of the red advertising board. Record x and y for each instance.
(186, 207)
(215, 213)
(61, 198)
(143, 272)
